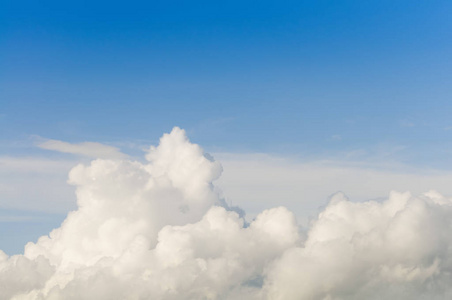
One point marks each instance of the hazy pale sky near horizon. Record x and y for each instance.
(361, 83)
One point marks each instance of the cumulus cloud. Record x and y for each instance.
(396, 249)
(160, 230)
(89, 149)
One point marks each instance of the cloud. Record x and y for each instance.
(398, 248)
(89, 149)
(406, 123)
(258, 181)
(32, 164)
(31, 183)
(160, 230)
(336, 137)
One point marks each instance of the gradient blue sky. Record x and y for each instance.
(349, 80)
(278, 76)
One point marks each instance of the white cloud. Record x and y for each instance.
(396, 249)
(28, 183)
(89, 149)
(159, 230)
(33, 164)
(258, 181)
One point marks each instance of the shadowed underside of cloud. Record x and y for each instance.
(159, 230)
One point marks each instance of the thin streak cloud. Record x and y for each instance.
(88, 149)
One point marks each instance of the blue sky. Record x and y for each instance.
(343, 80)
(245, 75)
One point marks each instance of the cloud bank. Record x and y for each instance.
(260, 181)
(160, 230)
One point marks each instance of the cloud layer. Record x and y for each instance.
(160, 230)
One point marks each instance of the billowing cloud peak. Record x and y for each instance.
(159, 230)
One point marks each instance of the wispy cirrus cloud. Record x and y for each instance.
(406, 123)
(336, 137)
(88, 149)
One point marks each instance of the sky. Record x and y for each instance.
(297, 100)
(316, 78)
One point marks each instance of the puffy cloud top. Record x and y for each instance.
(159, 230)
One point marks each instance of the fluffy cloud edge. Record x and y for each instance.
(159, 229)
